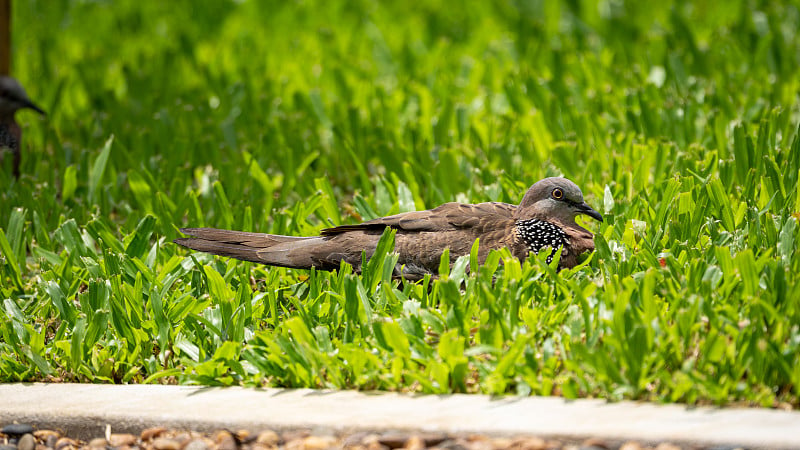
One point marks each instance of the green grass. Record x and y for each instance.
(679, 121)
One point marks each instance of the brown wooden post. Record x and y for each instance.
(5, 37)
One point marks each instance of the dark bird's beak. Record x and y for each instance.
(583, 208)
(29, 104)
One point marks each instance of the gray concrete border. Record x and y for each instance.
(84, 410)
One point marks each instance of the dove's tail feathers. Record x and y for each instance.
(272, 249)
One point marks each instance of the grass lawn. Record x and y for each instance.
(679, 121)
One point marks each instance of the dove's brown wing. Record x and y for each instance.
(447, 217)
(422, 236)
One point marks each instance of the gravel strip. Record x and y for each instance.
(24, 437)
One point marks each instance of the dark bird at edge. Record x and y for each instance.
(12, 98)
(544, 218)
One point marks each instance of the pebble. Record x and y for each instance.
(432, 439)
(631, 445)
(452, 444)
(415, 443)
(478, 442)
(500, 443)
(166, 444)
(294, 435)
(595, 443)
(667, 446)
(152, 433)
(480, 446)
(184, 437)
(197, 444)
(244, 437)
(268, 437)
(534, 443)
(26, 442)
(393, 440)
(44, 434)
(51, 440)
(8, 447)
(370, 442)
(314, 443)
(225, 440)
(354, 439)
(17, 429)
(98, 443)
(121, 439)
(320, 442)
(66, 443)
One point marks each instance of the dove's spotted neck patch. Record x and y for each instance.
(537, 234)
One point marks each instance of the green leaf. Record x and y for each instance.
(10, 260)
(390, 336)
(786, 241)
(141, 191)
(70, 183)
(444, 264)
(718, 198)
(742, 152)
(223, 206)
(474, 265)
(258, 175)
(405, 199)
(66, 309)
(363, 208)
(76, 344)
(98, 169)
(15, 232)
(140, 241)
(608, 200)
(217, 285)
(330, 206)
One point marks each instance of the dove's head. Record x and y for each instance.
(557, 198)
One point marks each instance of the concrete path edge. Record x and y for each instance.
(84, 410)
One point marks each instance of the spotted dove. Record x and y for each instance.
(544, 218)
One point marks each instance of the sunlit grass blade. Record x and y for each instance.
(98, 169)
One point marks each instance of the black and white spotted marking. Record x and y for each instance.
(537, 234)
